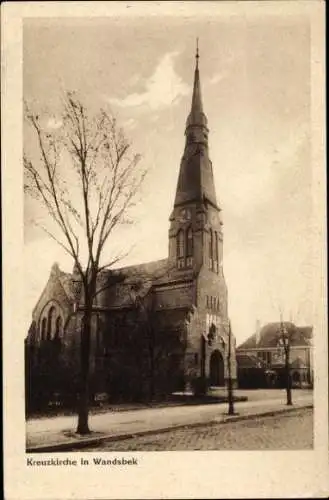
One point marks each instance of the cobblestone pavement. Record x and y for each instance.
(290, 431)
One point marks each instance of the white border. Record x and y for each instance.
(167, 474)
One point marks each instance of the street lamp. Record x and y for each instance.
(284, 344)
(230, 385)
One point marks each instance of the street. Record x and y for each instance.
(290, 431)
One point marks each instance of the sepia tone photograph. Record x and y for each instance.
(161, 157)
(170, 235)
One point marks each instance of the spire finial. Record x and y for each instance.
(197, 52)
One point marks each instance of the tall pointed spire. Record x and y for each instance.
(197, 116)
(195, 181)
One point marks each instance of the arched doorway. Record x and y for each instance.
(216, 369)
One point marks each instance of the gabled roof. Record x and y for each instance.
(269, 335)
(298, 363)
(66, 281)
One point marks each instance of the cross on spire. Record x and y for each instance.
(197, 52)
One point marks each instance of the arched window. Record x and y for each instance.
(189, 242)
(59, 327)
(211, 248)
(50, 322)
(180, 244)
(215, 251)
(43, 328)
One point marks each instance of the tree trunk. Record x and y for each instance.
(229, 386)
(288, 379)
(83, 409)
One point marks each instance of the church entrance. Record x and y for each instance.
(216, 369)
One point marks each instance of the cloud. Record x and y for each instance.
(162, 89)
(216, 78)
(130, 124)
(225, 65)
(260, 178)
(135, 79)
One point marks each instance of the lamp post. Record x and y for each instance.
(284, 343)
(229, 384)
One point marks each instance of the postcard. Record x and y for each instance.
(164, 213)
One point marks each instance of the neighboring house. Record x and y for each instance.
(251, 371)
(159, 326)
(263, 346)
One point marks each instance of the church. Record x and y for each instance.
(158, 327)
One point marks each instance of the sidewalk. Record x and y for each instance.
(58, 434)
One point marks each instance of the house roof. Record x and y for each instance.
(298, 363)
(269, 335)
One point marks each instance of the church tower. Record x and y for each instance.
(195, 235)
(196, 251)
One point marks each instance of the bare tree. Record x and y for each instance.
(285, 336)
(87, 180)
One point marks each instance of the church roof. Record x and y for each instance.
(269, 334)
(122, 284)
(147, 270)
(144, 276)
(157, 272)
(67, 283)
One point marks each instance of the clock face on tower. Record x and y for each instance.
(185, 214)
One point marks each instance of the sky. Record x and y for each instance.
(255, 79)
